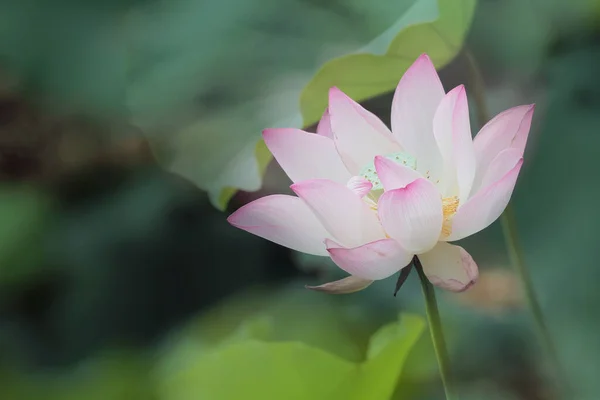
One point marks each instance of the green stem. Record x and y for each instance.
(509, 229)
(437, 333)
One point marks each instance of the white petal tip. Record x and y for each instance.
(347, 285)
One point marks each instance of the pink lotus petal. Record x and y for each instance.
(501, 165)
(304, 155)
(359, 185)
(358, 134)
(376, 260)
(510, 128)
(452, 132)
(462, 142)
(413, 215)
(485, 207)
(350, 284)
(520, 140)
(324, 126)
(415, 101)
(450, 267)
(344, 214)
(285, 220)
(393, 175)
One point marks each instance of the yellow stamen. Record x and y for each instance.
(449, 207)
(371, 201)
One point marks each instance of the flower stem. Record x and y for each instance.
(509, 229)
(437, 333)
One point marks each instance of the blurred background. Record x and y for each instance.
(126, 126)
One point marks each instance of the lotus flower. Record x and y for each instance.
(371, 198)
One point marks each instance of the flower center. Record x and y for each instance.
(449, 204)
(370, 173)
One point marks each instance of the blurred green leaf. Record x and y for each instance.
(23, 213)
(387, 354)
(204, 105)
(289, 370)
(259, 370)
(437, 29)
(263, 158)
(287, 315)
(362, 76)
(203, 78)
(114, 376)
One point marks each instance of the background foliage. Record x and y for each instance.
(122, 125)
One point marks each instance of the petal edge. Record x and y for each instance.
(481, 210)
(303, 155)
(413, 215)
(285, 220)
(373, 261)
(344, 214)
